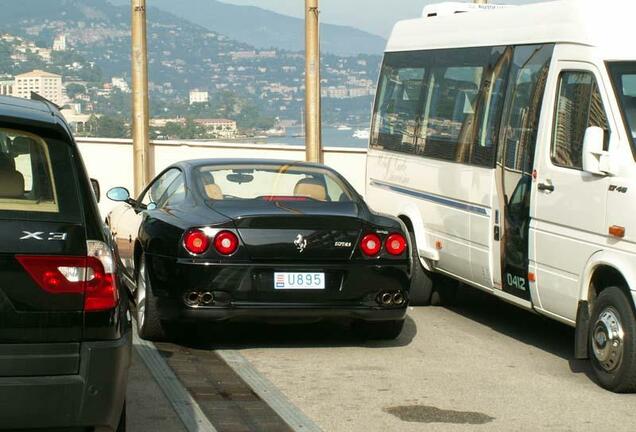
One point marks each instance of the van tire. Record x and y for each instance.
(613, 306)
(444, 291)
(149, 325)
(421, 282)
(122, 420)
(378, 330)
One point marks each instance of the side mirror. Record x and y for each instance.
(595, 159)
(96, 189)
(118, 194)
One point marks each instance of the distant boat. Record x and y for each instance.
(363, 134)
(344, 128)
(276, 132)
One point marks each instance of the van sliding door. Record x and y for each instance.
(519, 130)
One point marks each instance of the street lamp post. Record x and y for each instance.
(312, 82)
(140, 117)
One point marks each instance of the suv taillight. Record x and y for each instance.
(93, 275)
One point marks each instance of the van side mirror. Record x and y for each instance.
(595, 159)
(96, 189)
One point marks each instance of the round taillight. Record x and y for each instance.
(226, 243)
(196, 242)
(371, 245)
(395, 244)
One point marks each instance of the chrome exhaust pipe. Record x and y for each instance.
(193, 299)
(398, 299)
(387, 299)
(207, 299)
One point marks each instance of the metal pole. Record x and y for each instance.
(140, 118)
(313, 140)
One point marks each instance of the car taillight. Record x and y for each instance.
(371, 245)
(395, 244)
(196, 242)
(92, 276)
(226, 243)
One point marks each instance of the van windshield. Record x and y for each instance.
(624, 77)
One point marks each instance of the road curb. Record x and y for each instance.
(268, 392)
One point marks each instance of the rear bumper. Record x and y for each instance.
(173, 313)
(246, 291)
(92, 398)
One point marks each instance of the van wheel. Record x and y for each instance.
(421, 282)
(149, 325)
(613, 341)
(122, 420)
(378, 330)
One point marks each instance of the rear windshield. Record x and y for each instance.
(37, 181)
(272, 182)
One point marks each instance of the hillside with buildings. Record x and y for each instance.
(195, 73)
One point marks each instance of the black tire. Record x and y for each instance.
(616, 376)
(150, 327)
(379, 330)
(421, 282)
(444, 291)
(122, 420)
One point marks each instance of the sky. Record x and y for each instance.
(373, 16)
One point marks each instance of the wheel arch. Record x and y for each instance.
(412, 218)
(605, 269)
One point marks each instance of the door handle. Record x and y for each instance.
(546, 187)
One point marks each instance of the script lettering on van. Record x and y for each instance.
(516, 282)
(394, 169)
(42, 236)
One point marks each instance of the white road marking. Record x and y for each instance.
(183, 403)
(268, 392)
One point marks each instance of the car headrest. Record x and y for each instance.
(311, 188)
(214, 191)
(11, 184)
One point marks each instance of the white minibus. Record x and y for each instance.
(505, 139)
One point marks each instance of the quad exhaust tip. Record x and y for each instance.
(398, 299)
(199, 299)
(391, 299)
(207, 299)
(387, 299)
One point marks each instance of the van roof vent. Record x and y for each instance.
(452, 8)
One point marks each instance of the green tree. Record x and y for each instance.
(109, 127)
(73, 90)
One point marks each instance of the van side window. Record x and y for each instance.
(442, 104)
(398, 102)
(579, 105)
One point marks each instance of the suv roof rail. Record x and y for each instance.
(452, 8)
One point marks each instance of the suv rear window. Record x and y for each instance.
(37, 180)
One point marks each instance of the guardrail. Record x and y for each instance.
(110, 160)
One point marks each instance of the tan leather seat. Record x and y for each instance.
(214, 191)
(11, 184)
(311, 188)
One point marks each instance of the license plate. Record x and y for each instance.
(299, 281)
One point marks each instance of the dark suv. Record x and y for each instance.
(65, 330)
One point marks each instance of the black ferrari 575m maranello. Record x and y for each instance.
(260, 240)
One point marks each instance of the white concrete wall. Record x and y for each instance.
(110, 160)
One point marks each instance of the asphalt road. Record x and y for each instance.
(480, 365)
